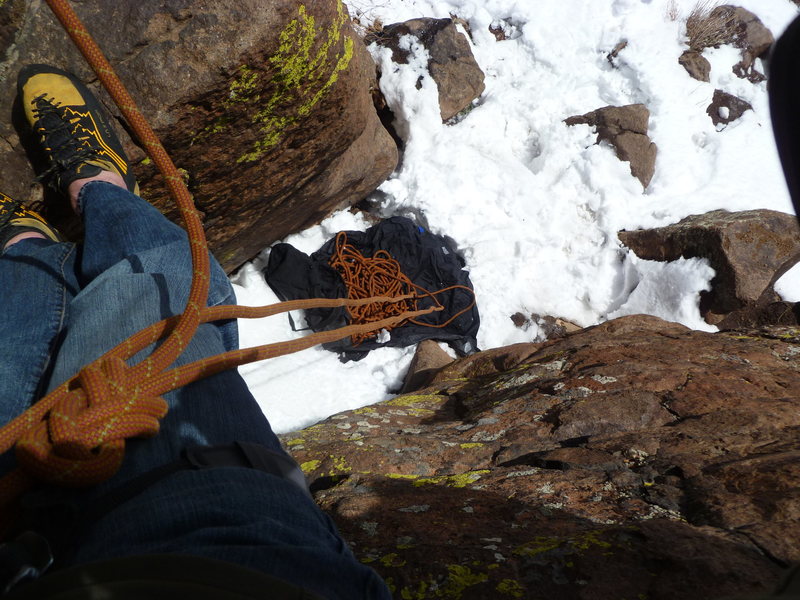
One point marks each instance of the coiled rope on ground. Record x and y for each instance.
(381, 275)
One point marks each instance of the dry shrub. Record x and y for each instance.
(373, 32)
(672, 13)
(708, 26)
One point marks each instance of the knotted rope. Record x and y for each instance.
(381, 275)
(75, 436)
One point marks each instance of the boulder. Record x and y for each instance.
(696, 65)
(625, 128)
(750, 34)
(745, 31)
(726, 108)
(428, 359)
(452, 64)
(265, 106)
(594, 466)
(749, 251)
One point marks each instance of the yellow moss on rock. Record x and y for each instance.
(510, 587)
(538, 545)
(459, 579)
(574, 545)
(392, 560)
(340, 464)
(242, 88)
(419, 594)
(413, 400)
(305, 74)
(310, 465)
(460, 480)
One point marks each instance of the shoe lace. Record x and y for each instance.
(61, 137)
(7, 212)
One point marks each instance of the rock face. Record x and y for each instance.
(749, 251)
(625, 128)
(635, 459)
(264, 105)
(726, 108)
(452, 64)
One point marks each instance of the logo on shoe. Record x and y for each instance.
(84, 133)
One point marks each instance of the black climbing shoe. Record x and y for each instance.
(16, 219)
(71, 127)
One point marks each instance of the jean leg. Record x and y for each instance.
(119, 225)
(150, 282)
(37, 282)
(236, 514)
(122, 227)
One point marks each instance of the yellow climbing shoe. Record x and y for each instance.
(16, 219)
(72, 128)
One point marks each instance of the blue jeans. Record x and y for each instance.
(65, 305)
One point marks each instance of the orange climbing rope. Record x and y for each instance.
(381, 275)
(75, 436)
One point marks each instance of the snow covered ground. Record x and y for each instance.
(533, 204)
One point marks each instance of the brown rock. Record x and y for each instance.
(696, 65)
(611, 57)
(625, 128)
(632, 459)
(428, 359)
(498, 32)
(265, 106)
(751, 35)
(746, 31)
(452, 65)
(748, 250)
(726, 108)
(549, 327)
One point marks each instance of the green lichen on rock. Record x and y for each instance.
(537, 545)
(509, 587)
(392, 560)
(243, 88)
(589, 539)
(459, 579)
(413, 400)
(420, 593)
(575, 545)
(339, 465)
(309, 466)
(459, 480)
(306, 71)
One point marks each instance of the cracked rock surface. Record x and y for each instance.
(633, 459)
